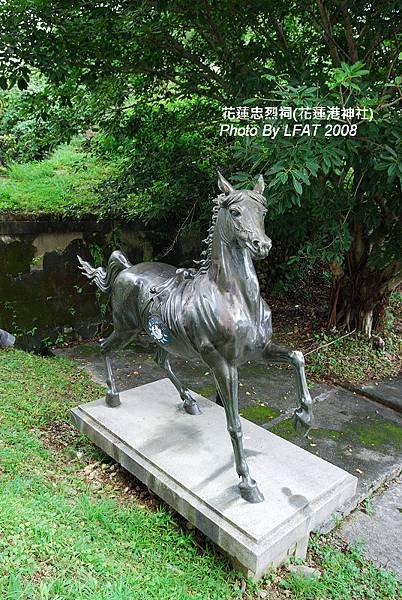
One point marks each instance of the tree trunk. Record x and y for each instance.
(359, 300)
(360, 292)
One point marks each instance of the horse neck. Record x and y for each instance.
(233, 271)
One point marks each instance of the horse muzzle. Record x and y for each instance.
(260, 248)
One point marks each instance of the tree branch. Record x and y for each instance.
(328, 35)
(182, 52)
(349, 33)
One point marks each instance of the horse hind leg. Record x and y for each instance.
(190, 405)
(115, 340)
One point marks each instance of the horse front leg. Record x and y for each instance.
(227, 385)
(303, 418)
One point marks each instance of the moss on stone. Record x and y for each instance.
(284, 429)
(253, 369)
(207, 391)
(377, 433)
(259, 414)
(332, 434)
(89, 349)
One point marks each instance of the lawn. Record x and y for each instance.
(74, 526)
(62, 184)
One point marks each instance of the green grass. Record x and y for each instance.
(61, 538)
(333, 357)
(344, 574)
(352, 359)
(62, 184)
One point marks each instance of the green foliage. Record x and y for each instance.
(63, 184)
(335, 180)
(36, 120)
(133, 66)
(353, 358)
(170, 152)
(346, 74)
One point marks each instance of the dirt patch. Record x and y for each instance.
(97, 474)
(56, 436)
(103, 474)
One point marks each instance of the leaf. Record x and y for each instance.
(391, 150)
(275, 168)
(304, 176)
(22, 84)
(392, 169)
(312, 167)
(297, 185)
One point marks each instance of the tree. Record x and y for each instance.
(345, 191)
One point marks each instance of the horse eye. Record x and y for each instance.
(234, 212)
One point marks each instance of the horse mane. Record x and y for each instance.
(222, 201)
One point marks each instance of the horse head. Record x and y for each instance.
(240, 217)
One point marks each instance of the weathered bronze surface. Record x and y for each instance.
(215, 313)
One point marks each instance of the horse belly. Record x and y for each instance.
(131, 293)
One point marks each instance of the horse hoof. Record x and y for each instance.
(112, 399)
(249, 491)
(302, 422)
(192, 408)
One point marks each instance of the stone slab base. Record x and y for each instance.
(188, 461)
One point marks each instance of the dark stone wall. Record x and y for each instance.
(44, 298)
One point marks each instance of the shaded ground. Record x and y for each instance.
(300, 321)
(387, 392)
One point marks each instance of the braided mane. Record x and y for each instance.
(223, 201)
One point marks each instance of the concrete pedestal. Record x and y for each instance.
(188, 461)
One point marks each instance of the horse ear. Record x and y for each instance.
(260, 185)
(224, 185)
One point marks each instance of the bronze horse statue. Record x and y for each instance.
(215, 313)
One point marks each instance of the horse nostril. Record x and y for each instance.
(262, 247)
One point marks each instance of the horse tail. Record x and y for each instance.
(104, 279)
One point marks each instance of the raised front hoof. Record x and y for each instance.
(192, 408)
(302, 422)
(112, 399)
(249, 491)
